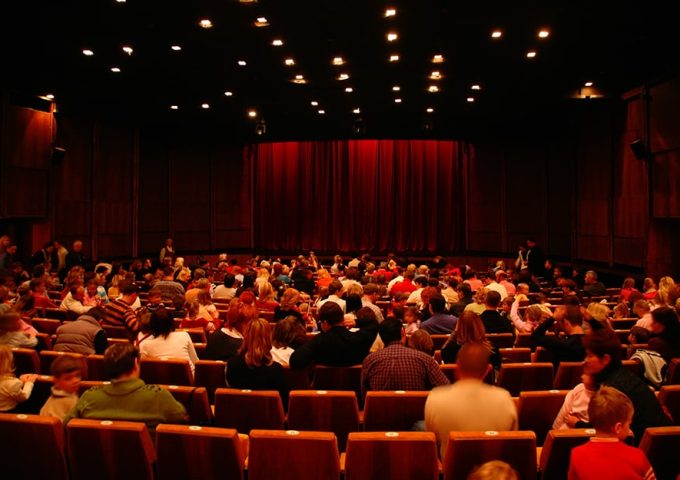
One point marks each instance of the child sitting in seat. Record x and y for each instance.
(574, 410)
(13, 390)
(67, 373)
(605, 455)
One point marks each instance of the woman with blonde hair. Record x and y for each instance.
(532, 317)
(469, 329)
(599, 317)
(289, 306)
(253, 367)
(667, 292)
(266, 298)
(323, 278)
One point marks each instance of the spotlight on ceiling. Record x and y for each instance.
(260, 127)
(205, 23)
(128, 49)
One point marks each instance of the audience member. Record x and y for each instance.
(494, 470)
(166, 342)
(422, 341)
(574, 411)
(11, 332)
(120, 313)
(67, 373)
(288, 335)
(226, 342)
(13, 390)
(665, 338)
(491, 317)
(567, 348)
(84, 335)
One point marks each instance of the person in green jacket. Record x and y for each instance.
(127, 397)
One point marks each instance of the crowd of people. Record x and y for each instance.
(379, 314)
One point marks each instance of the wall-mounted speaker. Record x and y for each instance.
(639, 149)
(58, 155)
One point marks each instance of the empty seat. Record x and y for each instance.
(32, 447)
(96, 370)
(166, 371)
(26, 360)
(568, 375)
(246, 410)
(199, 452)
(537, 411)
(293, 455)
(338, 378)
(466, 450)
(501, 340)
(109, 450)
(556, 451)
(391, 455)
(515, 355)
(324, 410)
(522, 377)
(393, 410)
(48, 356)
(46, 325)
(669, 397)
(661, 445)
(211, 375)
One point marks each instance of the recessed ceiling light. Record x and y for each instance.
(391, 36)
(470, 99)
(436, 75)
(349, 89)
(356, 110)
(205, 106)
(127, 49)
(242, 63)
(343, 76)
(115, 69)
(174, 107)
(247, 1)
(531, 54)
(228, 93)
(390, 12)
(396, 88)
(314, 103)
(433, 88)
(430, 110)
(476, 87)
(261, 22)
(49, 96)
(543, 34)
(588, 84)
(120, 1)
(322, 112)
(289, 61)
(87, 52)
(205, 23)
(394, 58)
(496, 34)
(277, 42)
(176, 48)
(252, 113)
(397, 100)
(299, 79)
(338, 61)
(438, 59)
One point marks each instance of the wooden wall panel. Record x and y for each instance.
(560, 198)
(486, 199)
(665, 184)
(154, 208)
(664, 124)
(231, 199)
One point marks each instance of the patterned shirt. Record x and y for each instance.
(119, 313)
(397, 367)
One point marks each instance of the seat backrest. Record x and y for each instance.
(633, 366)
(42, 390)
(46, 325)
(201, 349)
(393, 410)
(109, 450)
(467, 450)
(524, 340)
(338, 378)
(542, 355)
(195, 401)
(556, 451)
(669, 397)
(537, 411)
(26, 360)
(411, 455)
(297, 378)
(207, 453)
(661, 445)
(211, 375)
(32, 447)
(449, 370)
(501, 340)
(197, 334)
(324, 410)
(568, 375)
(673, 375)
(56, 314)
(96, 369)
(293, 455)
(246, 410)
(438, 340)
(166, 372)
(515, 355)
(522, 377)
(115, 331)
(48, 356)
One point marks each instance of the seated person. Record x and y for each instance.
(11, 333)
(67, 373)
(567, 348)
(574, 411)
(493, 321)
(84, 335)
(439, 321)
(13, 391)
(127, 397)
(605, 455)
(288, 334)
(166, 342)
(226, 342)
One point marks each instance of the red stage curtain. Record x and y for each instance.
(359, 195)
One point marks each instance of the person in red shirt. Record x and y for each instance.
(605, 455)
(405, 285)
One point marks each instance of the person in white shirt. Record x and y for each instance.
(642, 309)
(73, 302)
(395, 280)
(334, 290)
(414, 297)
(285, 334)
(166, 343)
(491, 284)
(226, 290)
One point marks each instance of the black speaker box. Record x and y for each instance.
(639, 149)
(58, 155)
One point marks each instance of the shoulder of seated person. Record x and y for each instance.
(152, 388)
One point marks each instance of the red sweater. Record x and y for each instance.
(597, 460)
